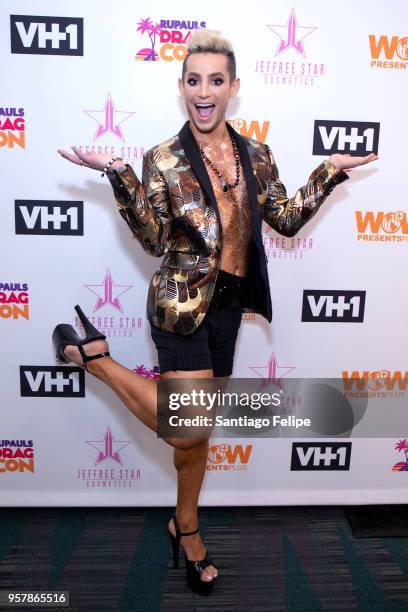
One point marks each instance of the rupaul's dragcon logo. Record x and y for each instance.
(149, 373)
(17, 456)
(402, 447)
(108, 296)
(167, 38)
(287, 63)
(14, 301)
(12, 127)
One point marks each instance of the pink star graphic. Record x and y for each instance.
(269, 372)
(105, 292)
(291, 35)
(109, 448)
(109, 119)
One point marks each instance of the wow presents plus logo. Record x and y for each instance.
(12, 127)
(258, 130)
(288, 61)
(390, 52)
(224, 457)
(14, 301)
(382, 226)
(402, 447)
(166, 39)
(109, 314)
(109, 469)
(375, 383)
(17, 456)
(111, 127)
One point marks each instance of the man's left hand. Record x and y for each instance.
(348, 162)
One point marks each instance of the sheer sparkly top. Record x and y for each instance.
(234, 209)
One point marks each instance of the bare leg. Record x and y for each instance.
(190, 457)
(136, 392)
(190, 465)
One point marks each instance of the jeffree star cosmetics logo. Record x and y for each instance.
(108, 293)
(284, 247)
(271, 372)
(291, 35)
(116, 324)
(276, 70)
(109, 448)
(109, 471)
(109, 119)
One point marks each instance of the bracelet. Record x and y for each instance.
(108, 165)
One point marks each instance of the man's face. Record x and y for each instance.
(206, 89)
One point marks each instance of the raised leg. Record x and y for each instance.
(137, 393)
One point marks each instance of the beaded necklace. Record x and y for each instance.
(224, 183)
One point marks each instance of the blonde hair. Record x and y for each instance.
(210, 41)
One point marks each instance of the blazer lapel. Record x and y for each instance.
(192, 151)
(249, 180)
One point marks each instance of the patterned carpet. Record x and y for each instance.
(298, 559)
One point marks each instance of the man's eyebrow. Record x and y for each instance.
(213, 74)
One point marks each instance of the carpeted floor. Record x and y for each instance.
(270, 558)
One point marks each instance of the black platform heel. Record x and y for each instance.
(64, 335)
(194, 569)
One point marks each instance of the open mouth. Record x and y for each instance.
(204, 110)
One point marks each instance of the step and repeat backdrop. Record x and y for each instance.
(313, 81)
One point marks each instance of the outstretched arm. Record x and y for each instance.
(145, 207)
(288, 215)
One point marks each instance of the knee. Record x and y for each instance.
(186, 443)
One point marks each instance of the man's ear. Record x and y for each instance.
(181, 87)
(234, 89)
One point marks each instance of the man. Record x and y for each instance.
(203, 196)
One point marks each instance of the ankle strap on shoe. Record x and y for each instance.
(87, 358)
(182, 533)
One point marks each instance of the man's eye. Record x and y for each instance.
(192, 81)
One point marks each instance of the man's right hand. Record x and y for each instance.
(96, 161)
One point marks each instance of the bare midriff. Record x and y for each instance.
(233, 206)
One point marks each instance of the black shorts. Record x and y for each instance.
(210, 346)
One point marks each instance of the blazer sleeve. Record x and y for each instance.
(144, 206)
(288, 215)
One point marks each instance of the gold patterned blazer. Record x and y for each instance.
(173, 212)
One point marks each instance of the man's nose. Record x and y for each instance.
(204, 90)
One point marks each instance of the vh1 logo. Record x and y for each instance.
(352, 137)
(325, 305)
(33, 34)
(49, 217)
(320, 456)
(52, 381)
